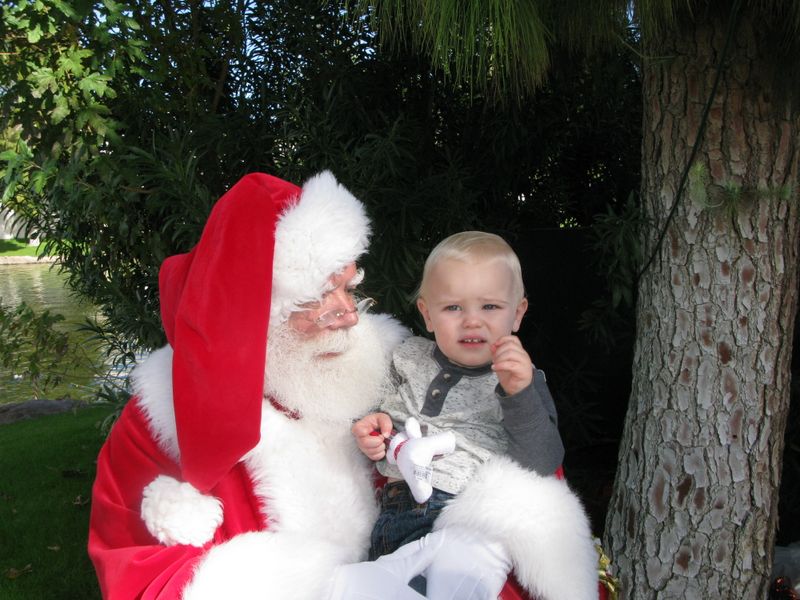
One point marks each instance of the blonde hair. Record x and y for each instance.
(474, 246)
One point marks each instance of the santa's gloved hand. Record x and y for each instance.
(386, 578)
(468, 567)
(413, 454)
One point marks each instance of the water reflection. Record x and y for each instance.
(43, 287)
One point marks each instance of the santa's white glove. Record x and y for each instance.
(413, 454)
(386, 578)
(468, 567)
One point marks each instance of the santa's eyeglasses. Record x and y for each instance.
(328, 316)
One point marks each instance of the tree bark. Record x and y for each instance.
(694, 508)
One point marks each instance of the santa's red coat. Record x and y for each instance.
(130, 562)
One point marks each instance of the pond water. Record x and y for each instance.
(42, 287)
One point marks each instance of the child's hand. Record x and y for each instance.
(371, 433)
(512, 364)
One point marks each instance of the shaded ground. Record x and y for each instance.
(20, 411)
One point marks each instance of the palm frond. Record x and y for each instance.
(499, 45)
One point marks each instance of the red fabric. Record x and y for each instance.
(215, 311)
(130, 563)
(513, 591)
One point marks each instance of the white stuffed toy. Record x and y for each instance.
(413, 454)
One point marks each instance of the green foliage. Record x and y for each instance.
(618, 255)
(58, 60)
(194, 95)
(504, 47)
(34, 349)
(48, 466)
(729, 197)
(580, 406)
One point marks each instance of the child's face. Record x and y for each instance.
(469, 306)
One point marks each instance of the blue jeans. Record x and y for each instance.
(402, 519)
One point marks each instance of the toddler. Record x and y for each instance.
(475, 380)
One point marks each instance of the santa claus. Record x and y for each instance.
(232, 472)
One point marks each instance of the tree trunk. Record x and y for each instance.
(694, 508)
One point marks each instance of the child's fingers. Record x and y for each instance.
(376, 455)
(507, 340)
(511, 356)
(507, 369)
(361, 428)
(370, 442)
(373, 447)
(374, 422)
(507, 344)
(384, 424)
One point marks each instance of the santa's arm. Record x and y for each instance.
(129, 561)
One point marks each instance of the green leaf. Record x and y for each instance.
(64, 7)
(70, 63)
(95, 82)
(82, 53)
(112, 7)
(43, 80)
(61, 110)
(39, 180)
(34, 35)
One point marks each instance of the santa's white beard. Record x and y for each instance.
(342, 386)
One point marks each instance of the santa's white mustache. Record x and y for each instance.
(335, 341)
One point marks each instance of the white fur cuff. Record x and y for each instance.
(541, 522)
(266, 564)
(177, 513)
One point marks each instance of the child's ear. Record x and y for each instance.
(423, 310)
(519, 313)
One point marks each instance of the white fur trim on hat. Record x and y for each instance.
(321, 233)
(541, 522)
(177, 513)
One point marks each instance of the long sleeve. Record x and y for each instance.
(529, 419)
(130, 562)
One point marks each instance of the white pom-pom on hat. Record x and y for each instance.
(177, 513)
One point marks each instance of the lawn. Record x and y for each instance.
(18, 248)
(48, 466)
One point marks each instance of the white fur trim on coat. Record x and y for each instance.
(390, 330)
(178, 513)
(324, 231)
(541, 522)
(263, 564)
(151, 382)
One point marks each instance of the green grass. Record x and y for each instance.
(48, 466)
(18, 248)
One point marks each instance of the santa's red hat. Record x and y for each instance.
(267, 247)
